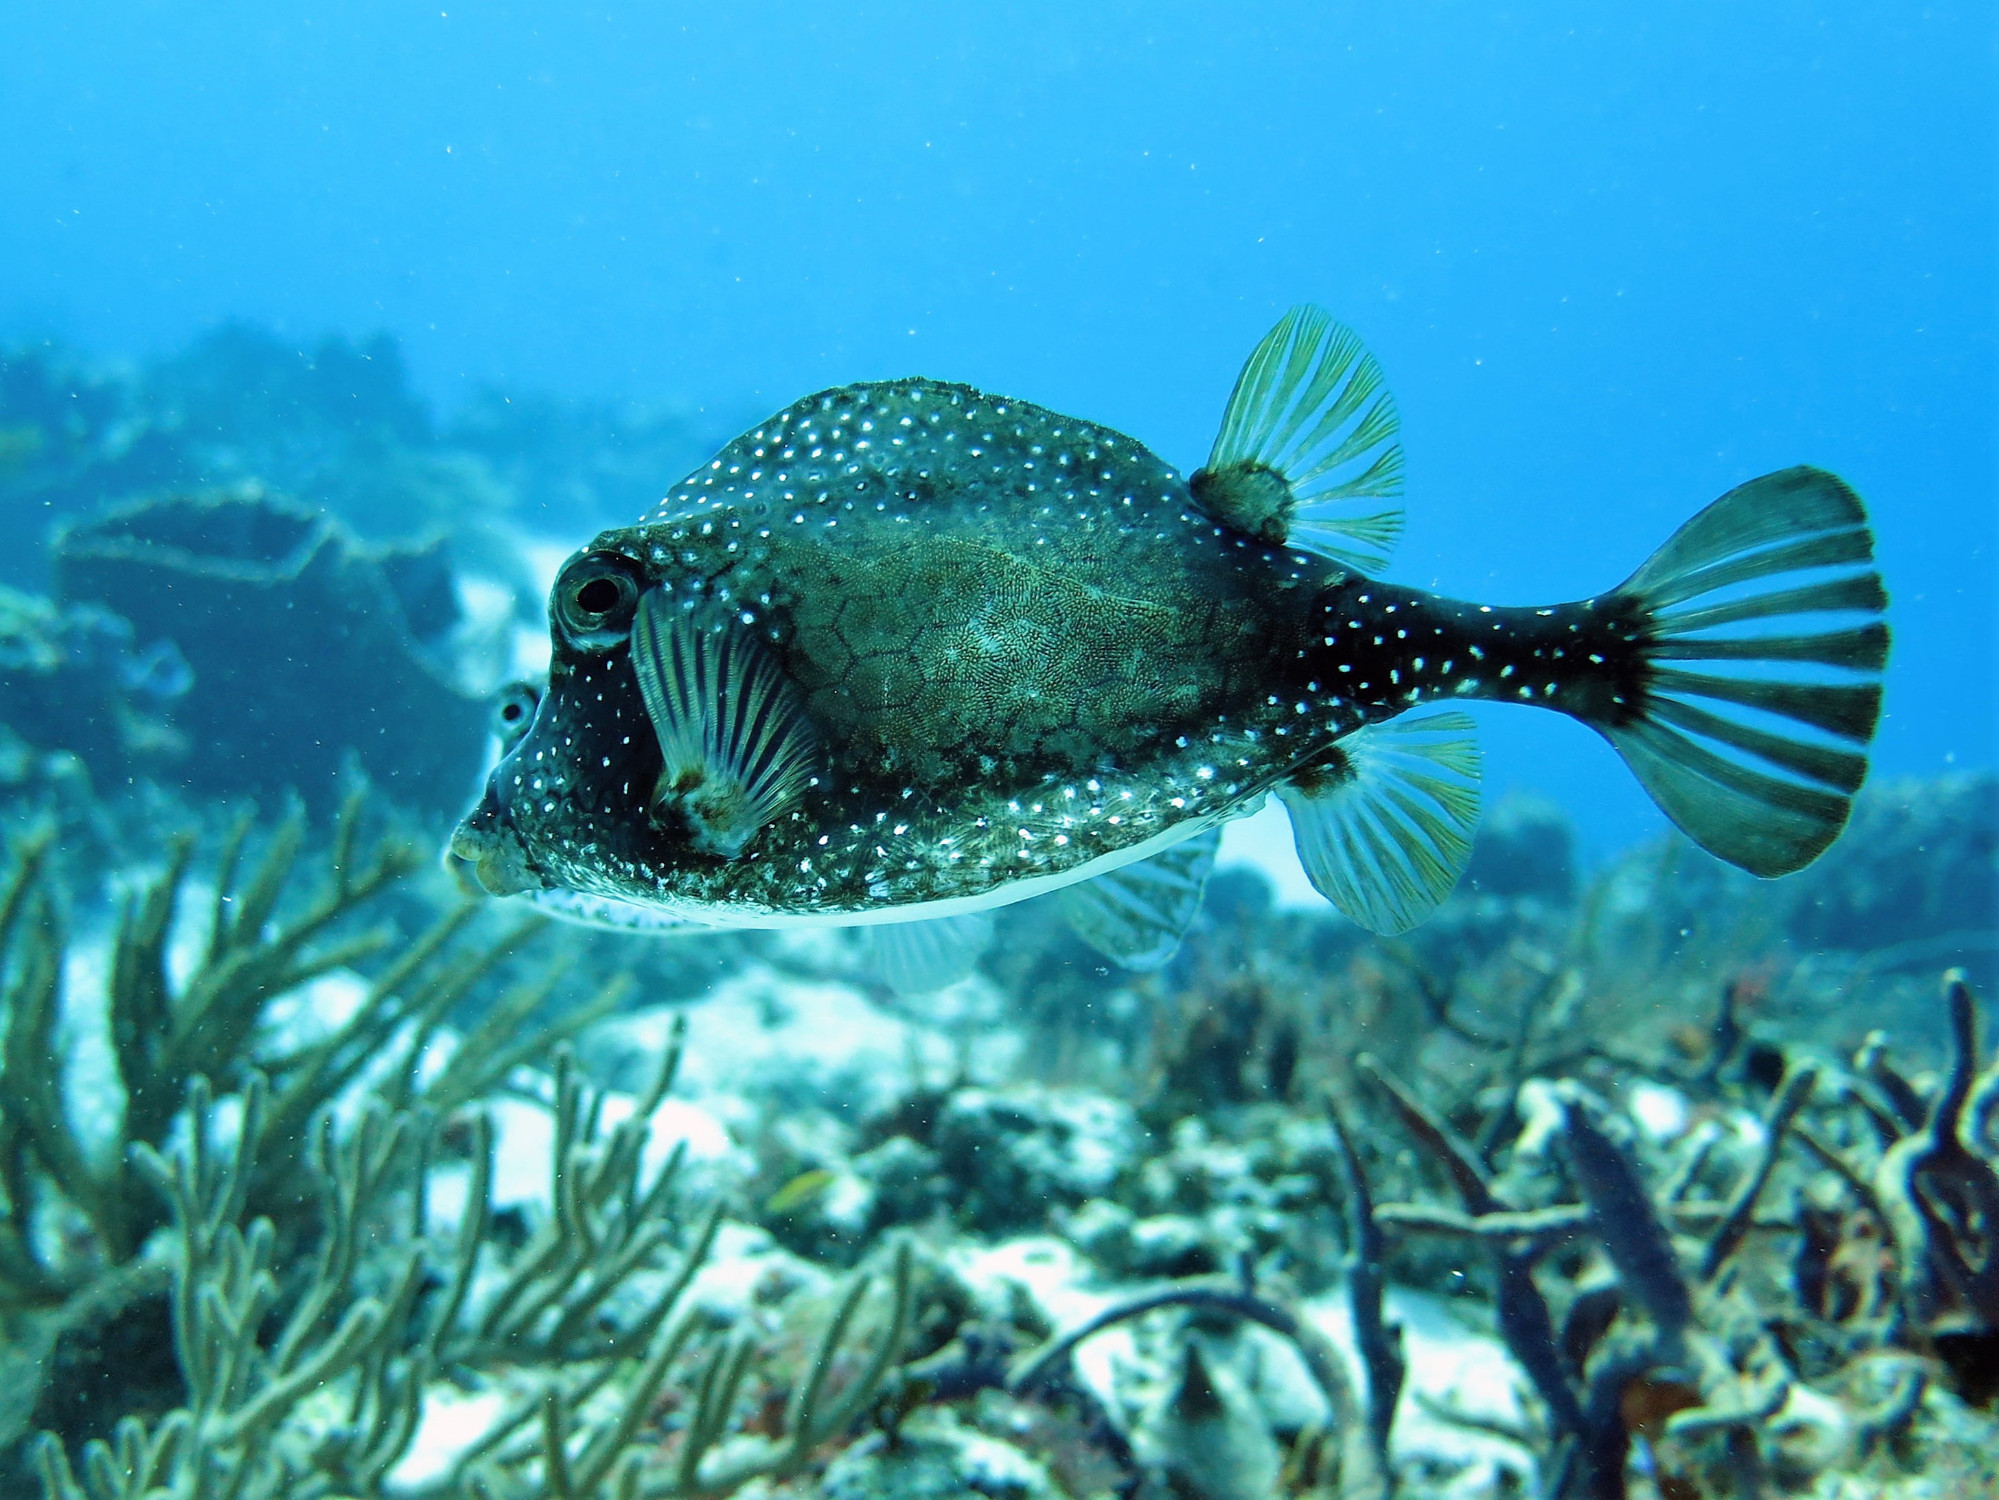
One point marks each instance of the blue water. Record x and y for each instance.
(1614, 259)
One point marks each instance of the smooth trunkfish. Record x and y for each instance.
(907, 652)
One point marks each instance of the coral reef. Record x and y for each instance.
(402, 1250)
(331, 1399)
(75, 1156)
(317, 1181)
(1719, 1360)
(334, 424)
(1914, 885)
(338, 1130)
(305, 647)
(75, 682)
(224, 629)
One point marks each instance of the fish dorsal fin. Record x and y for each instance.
(915, 958)
(1384, 828)
(736, 747)
(1136, 916)
(1308, 452)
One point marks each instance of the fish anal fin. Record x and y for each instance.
(1384, 827)
(916, 958)
(1136, 916)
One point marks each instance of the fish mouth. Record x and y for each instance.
(486, 847)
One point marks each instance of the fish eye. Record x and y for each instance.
(595, 597)
(513, 712)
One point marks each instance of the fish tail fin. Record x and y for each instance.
(1759, 626)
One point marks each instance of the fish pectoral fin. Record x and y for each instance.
(1308, 453)
(914, 958)
(736, 747)
(1136, 916)
(1384, 829)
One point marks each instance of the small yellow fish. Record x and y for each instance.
(806, 1188)
(908, 650)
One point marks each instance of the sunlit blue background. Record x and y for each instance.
(1615, 258)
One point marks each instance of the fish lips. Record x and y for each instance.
(488, 847)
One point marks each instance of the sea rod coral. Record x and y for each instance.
(316, 1386)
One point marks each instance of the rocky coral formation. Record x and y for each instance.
(303, 648)
(1914, 884)
(334, 423)
(78, 680)
(1590, 1271)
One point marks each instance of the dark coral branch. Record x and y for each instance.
(1527, 1328)
(1361, 1475)
(1544, 1224)
(1735, 1224)
(1526, 1325)
(1379, 1342)
(1829, 1157)
(1625, 1221)
(1901, 1096)
(1942, 1196)
(1452, 1151)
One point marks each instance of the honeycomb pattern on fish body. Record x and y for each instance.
(1022, 647)
(967, 586)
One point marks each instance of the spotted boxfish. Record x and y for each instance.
(908, 651)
